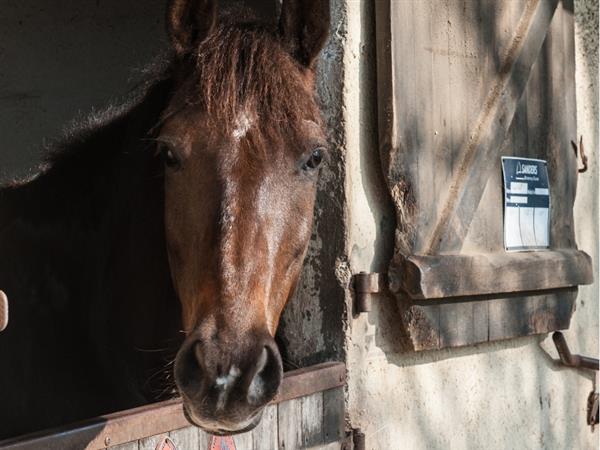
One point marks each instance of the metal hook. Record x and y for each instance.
(570, 360)
(584, 158)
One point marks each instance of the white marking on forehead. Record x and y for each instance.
(243, 124)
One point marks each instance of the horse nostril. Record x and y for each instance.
(267, 377)
(188, 365)
(197, 352)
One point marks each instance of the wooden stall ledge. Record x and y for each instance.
(150, 420)
(444, 276)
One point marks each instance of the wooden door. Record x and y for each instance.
(461, 84)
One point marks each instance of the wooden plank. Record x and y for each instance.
(128, 446)
(302, 382)
(464, 193)
(443, 276)
(481, 321)
(560, 130)
(264, 436)
(312, 420)
(456, 322)
(333, 415)
(405, 58)
(188, 438)
(244, 441)
(119, 428)
(456, 325)
(289, 424)
(402, 133)
(511, 317)
(152, 442)
(421, 323)
(203, 438)
(138, 423)
(330, 446)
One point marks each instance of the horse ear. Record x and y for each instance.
(189, 22)
(304, 26)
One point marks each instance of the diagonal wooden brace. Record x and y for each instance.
(490, 130)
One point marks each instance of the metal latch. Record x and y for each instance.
(577, 361)
(570, 360)
(592, 409)
(366, 284)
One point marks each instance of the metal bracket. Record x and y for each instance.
(364, 285)
(358, 439)
(570, 360)
(592, 410)
(577, 361)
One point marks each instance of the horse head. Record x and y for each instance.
(242, 141)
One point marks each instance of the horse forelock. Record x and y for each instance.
(241, 75)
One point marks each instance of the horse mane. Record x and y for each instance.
(240, 67)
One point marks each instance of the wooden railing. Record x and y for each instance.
(150, 420)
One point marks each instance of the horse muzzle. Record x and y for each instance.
(225, 390)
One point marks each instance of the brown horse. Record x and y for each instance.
(188, 208)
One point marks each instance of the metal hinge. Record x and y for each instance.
(366, 284)
(358, 439)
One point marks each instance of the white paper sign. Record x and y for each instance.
(526, 204)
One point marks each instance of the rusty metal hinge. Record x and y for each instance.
(366, 284)
(593, 417)
(358, 439)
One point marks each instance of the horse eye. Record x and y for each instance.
(315, 159)
(169, 157)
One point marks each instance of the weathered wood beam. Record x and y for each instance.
(444, 276)
(151, 420)
(481, 151)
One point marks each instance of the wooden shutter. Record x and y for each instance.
(462, 83)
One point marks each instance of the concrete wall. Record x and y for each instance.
(508, 394)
